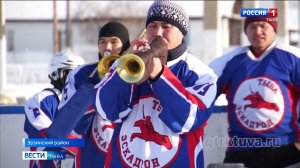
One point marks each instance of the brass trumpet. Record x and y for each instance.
(131, 67)
(108, 59)
(105, 63)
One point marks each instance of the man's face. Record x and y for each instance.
(170, 33)
(113, 45)
(260, 35)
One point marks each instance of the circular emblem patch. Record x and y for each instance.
(259, 104)
(102, 132)
(144, 137)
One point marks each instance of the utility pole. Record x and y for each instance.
(2, 47)
(55, 29)
(68, 28)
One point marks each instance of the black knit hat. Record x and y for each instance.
(118, 30)
(169, 12)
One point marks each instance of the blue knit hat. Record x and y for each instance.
(169, 12)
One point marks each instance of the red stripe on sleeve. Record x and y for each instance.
(177, 83)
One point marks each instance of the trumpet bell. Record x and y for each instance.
(105, 63)
(131, 68)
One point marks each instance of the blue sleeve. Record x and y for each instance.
(185, 108)
(76, 100)
(113, 97)
(40, 110)
(71, 113)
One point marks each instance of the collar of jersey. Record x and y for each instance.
(177, 52)
(266, 52)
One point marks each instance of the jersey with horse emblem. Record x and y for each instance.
(158, 124)
(263, 95)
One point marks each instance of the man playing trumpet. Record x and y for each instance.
(76, 110)
(159, 119)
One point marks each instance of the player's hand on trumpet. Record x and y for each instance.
(154, 59)
(145, 64)
(139, 45)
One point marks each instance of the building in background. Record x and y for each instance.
(215, 28)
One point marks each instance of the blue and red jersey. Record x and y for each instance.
(92, 127)
(40, 111)
(263, 95)
(158, 124)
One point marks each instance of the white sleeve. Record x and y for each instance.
(36, 116)
(69, 89)
(219, 63)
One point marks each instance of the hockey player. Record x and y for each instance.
(159, 120)
(262, 87)
(77, 110)
(41, 108)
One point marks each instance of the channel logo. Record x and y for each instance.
(43, 155)
(259, 12)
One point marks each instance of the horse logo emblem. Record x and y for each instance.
(144, 130)
(149, 134)
(259, 104)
